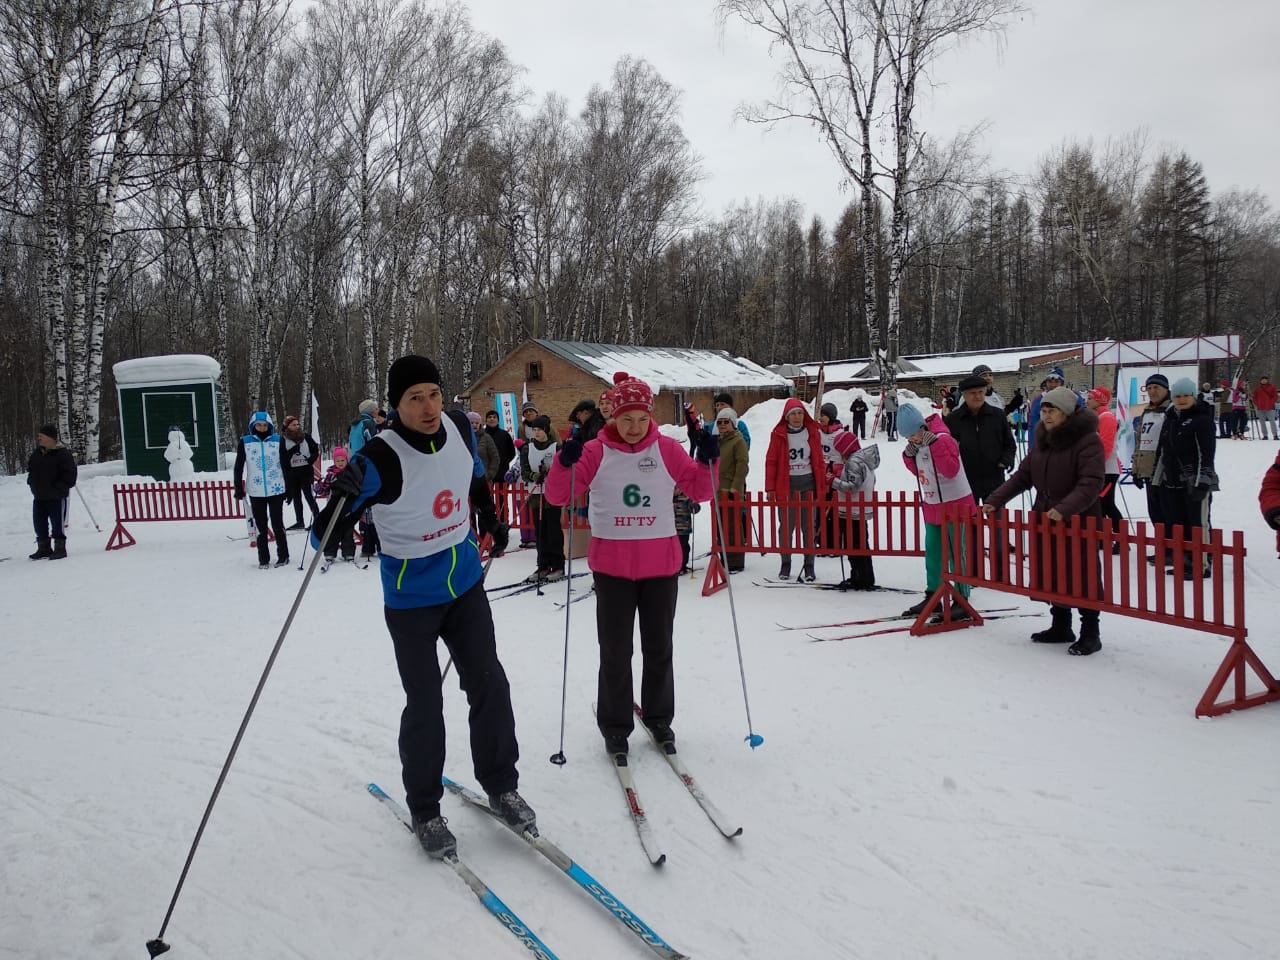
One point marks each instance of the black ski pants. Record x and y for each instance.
(618, 600)
(274, 506)
(299, 488)
(466, 627)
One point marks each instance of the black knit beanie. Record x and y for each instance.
(49, 430)
(406, 372)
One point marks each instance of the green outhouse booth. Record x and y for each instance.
(157, 393)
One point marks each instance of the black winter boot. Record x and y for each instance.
(59, 550)
(42, 550)
(1059, 631)
(1090, 638)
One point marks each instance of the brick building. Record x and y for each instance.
(559, 373)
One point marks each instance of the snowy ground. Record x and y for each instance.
(965, 795)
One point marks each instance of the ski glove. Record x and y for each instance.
(1139, 483)
(501, 532)
(239, 492)
(349, 482)
(706, 448)
(571, 452)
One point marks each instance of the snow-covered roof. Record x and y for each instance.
(175, 368)
(667, 367)
(941, 365)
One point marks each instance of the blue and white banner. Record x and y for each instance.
(505, 404)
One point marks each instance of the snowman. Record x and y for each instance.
(178, 453)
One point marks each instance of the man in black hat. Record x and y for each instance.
(51, 473)
(420, 472)
(987, 447)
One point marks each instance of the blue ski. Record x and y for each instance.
(501, 912)
(619, 910)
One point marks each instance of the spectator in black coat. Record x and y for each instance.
(588, 421)
(51, 473)
(505, 444)
(858, 417)
(986, 443)
(1186, 473)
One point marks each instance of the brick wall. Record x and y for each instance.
(562, 385)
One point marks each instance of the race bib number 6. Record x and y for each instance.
(445, 504)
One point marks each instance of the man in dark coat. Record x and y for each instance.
(982, 432)
(506, 445)
(1186, 471)
(51, 473)
(588, 421)
(1066, 466)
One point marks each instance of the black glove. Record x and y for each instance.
(1199, 492)
(349, 482)
(1139, 483)
(239, 492)
(571, 452)
(495, 528)
(1273, 518)
(706, 447)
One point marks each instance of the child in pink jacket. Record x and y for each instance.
(933, 455)
(631, 471)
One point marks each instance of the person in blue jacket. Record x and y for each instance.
(420, 472)
(364, 428)
(1054, 380)
(259, 474)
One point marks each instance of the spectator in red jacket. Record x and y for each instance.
(1264, 401)
(794, 469)
(1269, 498)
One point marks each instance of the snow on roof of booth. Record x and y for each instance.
(940, 365)
(175, 368)
(666, 367)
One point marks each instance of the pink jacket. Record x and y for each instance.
(632, 559)
(946, 457)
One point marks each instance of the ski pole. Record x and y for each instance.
(88, 511)
(158, 946)
(558, 758)
(752, 737)
(306, 539)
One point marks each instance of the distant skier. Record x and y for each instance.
(259, 474)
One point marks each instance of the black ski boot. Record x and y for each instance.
(436, 837)
(666, 739)
(59, 549)
(510, 806)
(42, 550)
(1090, 638)
(916, 608)
(1059, 631)
(615, 745)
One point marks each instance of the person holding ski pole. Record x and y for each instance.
(419, 472)
(632, 470)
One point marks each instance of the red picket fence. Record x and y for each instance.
(150, 502)
(884, 525)
(1072, 563)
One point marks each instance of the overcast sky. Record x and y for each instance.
(1196, 75)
